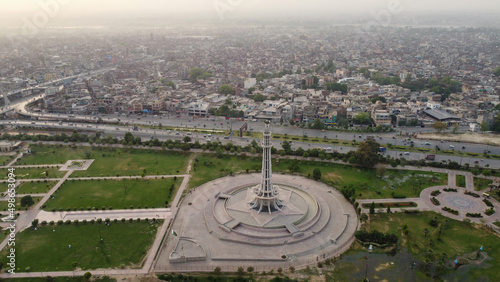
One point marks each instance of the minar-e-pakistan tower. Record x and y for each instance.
(266, 196)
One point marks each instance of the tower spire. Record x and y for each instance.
(266, 196)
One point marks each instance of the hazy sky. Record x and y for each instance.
(13, 12)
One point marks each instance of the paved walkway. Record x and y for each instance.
(458, 201)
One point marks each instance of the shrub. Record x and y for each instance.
(59, 222)
(489, 211)
(99, 220)
(435, 193)
(435, 201)
(67, 222)
(376, 237)
(488, 203)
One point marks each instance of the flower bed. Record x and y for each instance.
(447, 209)
(488, 203)
(435, 193)
(450, 190)
(489, 211)
(472, 194)
(473, 214)
(435, 201)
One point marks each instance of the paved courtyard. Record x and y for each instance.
(206, 236)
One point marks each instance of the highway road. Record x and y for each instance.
(146, 134)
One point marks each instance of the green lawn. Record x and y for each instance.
(207, 167)
(481, 183)
(36, 172)
(62, 279)
(122, 163)
(4, 204)
(118, 194)
(457, 238)
(111, 161)
(366, 182)
(5, 159)
(460, 180)
(35, 187)
(47, 250)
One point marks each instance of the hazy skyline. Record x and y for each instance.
(14, 12)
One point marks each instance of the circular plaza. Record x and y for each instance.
(216, 226)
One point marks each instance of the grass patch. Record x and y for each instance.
(481, 183)
(47, 250)
(397, 182)
(4, 205)
(207, 167)
(111, 161)
(35, 187)
(460, 180)
(4, 160)
(368, 185)
(456, 239)
(62, 279)
(118, 194)
(123, 163)
(36, 172)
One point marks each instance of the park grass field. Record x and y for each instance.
(460, 180)
(118, 194)
(34, 187)
(4, 204)
(481, 183)
(457, 238)
(111, 161)
(207, 167)
(5, 159)
(368, 185)
(35, 172)
(366, 181)
(61, 279)
(47, 248)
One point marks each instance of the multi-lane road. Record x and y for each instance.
(146, 133)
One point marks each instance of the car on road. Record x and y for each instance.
(406, 153)
(427, 143)
(451, 146)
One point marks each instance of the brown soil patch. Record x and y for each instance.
(478, 138)
(334, 175)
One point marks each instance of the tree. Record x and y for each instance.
(250, 269)
(367, 153)
(217, 270)
(87, 275)
(226, 89)
(27, 201)
(362, 118)
(240, 270)
(439, 126)
(316, 174)
(317, 124)
(485, 127)
(381, 171)
(195, 73)
(129, 137)
(388, 209)
(372, 208)
(497, 71)
(187, 139)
